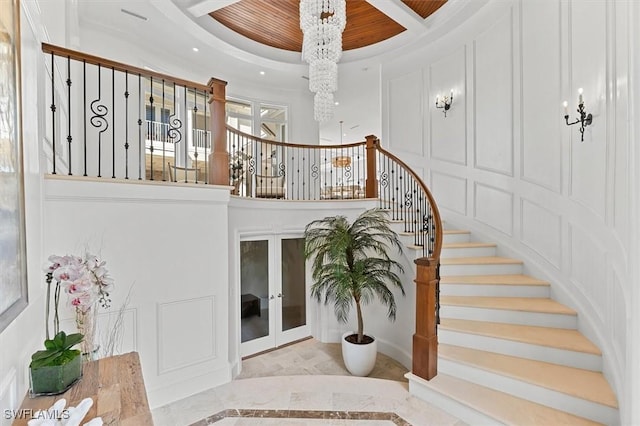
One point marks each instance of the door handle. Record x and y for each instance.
(272, 297)
(280, 295)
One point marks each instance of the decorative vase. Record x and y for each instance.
(360, 359)
(86, 322)
(55, 379)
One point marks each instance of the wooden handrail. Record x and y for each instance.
(292, 145)
(432, 203)
(118, 66)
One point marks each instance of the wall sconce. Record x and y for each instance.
(445, 102)
(584, 120)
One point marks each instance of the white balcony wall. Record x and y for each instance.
(504, 164)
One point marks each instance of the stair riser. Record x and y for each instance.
(420, 389)
(509, 317)
(493, 290)
(488, 269)
(455, 238)
(520, 349)
(529, 391)
(448, 253)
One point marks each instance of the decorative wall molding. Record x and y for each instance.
(586, 259)
(493, 101)
(450, 190)
(541, 231)
(183, 324)
(493, 206)
(448, 135)
(406, 113)
(8, 393)
(541, 89)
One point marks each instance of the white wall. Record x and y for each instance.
(169, 243)
(504, 164)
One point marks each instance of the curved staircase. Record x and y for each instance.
(508, 354)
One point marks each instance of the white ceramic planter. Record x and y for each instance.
(359, 359)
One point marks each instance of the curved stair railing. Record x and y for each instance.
(110, 120)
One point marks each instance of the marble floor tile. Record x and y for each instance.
(299, 383)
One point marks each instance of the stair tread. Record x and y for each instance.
(481, 260)
(472, 244)
(507, 279)
(503, 407)
(559, 338)
(584, 384)
(524, 304)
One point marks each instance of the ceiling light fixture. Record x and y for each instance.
(261, 72)
(195, 49)
(322, 23)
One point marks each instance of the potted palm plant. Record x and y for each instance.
(351, 266)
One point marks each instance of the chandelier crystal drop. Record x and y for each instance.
(322, 23)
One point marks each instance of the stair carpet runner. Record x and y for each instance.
(507, 352)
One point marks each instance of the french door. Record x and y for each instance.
(273, 292)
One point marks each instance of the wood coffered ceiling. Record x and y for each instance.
(276, 22)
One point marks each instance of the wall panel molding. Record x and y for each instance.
(406, 113)
(448, 135)
(186, 333)
(450, 191)
(494, 207)
(587, 264)
(493, 102)
(541, 230)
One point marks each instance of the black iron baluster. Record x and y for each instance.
(206, 138)
(84, 112)
(185, 141)
(53, 112)
(140, 97)
(97, 120)
(165, 135)
(195, 135)
(304, 169)
(69, 138)
(126, 124)
(297, 161)
(113, 123)
(151, 125)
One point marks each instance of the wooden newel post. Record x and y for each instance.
(371, 184)
(425, 339)
(219, 157)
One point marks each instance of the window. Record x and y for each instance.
(246, 116)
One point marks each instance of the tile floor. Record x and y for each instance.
(306, 384)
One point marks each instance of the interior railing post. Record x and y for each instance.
(425, 339)
(371, 184)
(219, 157)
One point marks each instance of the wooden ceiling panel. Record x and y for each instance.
(424, 8)
(276, 23)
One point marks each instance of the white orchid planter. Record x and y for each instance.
(359, 359)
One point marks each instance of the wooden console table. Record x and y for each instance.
(116, 386)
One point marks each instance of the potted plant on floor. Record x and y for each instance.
(351, 265)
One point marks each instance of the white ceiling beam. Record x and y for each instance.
(204, 7)
(401, 13)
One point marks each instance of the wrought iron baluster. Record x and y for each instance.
(98, 119)
(165, 134)
(113, 123)
(206, 137)
(53, 112)
(69, 137)
(151, 125)
(84, 113)
(140, 97)
(126, 124)
(196, 136)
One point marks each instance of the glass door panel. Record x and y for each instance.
(254, 289)
(293, 294)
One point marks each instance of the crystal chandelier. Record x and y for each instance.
(322, 23)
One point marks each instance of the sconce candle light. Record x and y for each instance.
(584, 120)
(445, 102)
